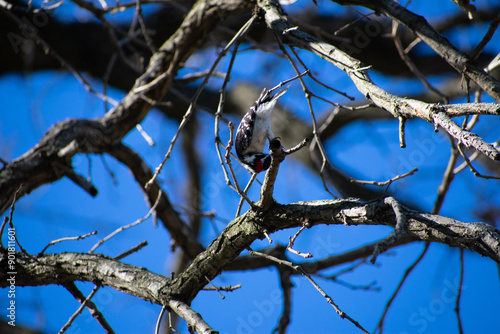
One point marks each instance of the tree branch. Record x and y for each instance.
(242, 231)
(421, 28)
(397, 106)
(99, 269)
(238, 235)
(193, 318)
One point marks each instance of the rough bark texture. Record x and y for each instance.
(51, 159)
(239, 235)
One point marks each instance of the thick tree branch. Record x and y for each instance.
(99, 269)
(241, 232)
(238, 235)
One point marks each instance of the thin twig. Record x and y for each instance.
(472, 168)
(191, 77)
(145, 135)
(316, 141)
(228, 288)
(307, 92)
(349, 269)
(388, 182)
(188, 113)
(459, 292)
(121, 228)
(92, 307)
(282, 83)
(249, 184)
(411, 66)
(286, 287)
(292, 241)
(171, 325)
(266, 234)
(301, 271)
(448, 177)
(53, 242)
(472, 157)
(79, 310)
(297, 147)
(380, 324)
(487, 37)
(158, 322)
(218, 113)
(11, 215)
(215, 287)
(4, 223)
(134, 249)
(412, 45)
(147, 38)
(402, 123)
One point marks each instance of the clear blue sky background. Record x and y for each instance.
(31, 103)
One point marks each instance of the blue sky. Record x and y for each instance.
(31, 103)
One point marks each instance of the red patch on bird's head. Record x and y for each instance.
(258, 166)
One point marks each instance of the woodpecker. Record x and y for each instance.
(254, 130)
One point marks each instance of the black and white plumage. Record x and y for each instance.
(254, 130)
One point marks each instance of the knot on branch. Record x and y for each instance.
(398, 231)
(275, 144)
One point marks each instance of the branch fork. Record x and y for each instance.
(278, 155)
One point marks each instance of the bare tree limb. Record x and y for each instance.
(96, 268)
(481, 238)
(329, 299)
(238, 235)
(85, 302)
(194, 319)
(380, 325)
(286, 285)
